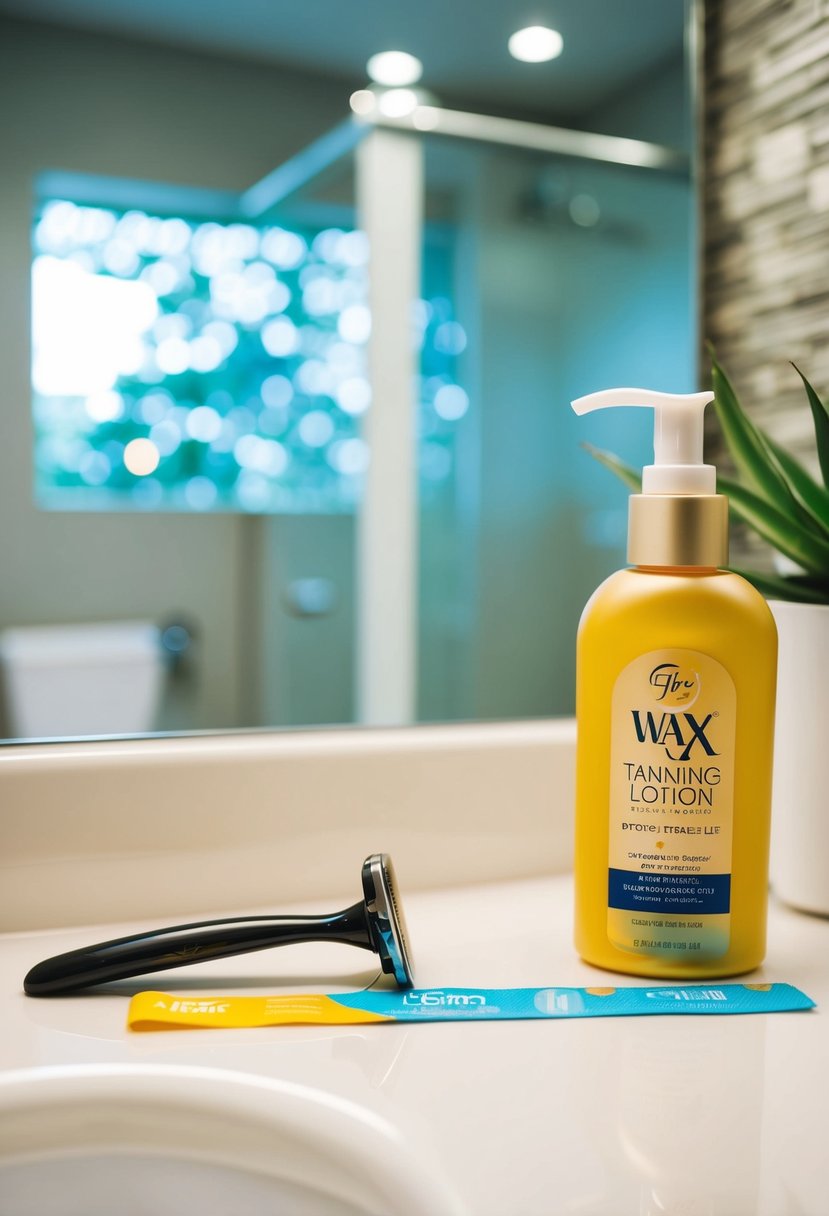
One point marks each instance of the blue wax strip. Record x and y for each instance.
(495, 1004)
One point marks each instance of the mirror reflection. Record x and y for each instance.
(287, 436)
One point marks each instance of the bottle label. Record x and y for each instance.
(671, 807)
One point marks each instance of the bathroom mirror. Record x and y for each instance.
(225, 504)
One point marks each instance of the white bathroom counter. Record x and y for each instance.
(719, 1115)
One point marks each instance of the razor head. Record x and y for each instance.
(385, 918)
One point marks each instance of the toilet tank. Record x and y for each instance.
(96, 679)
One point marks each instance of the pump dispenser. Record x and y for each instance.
(679, 519)
(675, 701)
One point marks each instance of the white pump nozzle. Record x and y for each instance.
(677, 441)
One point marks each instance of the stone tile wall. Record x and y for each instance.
(766, 203)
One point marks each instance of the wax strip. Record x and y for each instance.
(160, 1010)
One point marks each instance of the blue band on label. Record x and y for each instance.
(672, 894)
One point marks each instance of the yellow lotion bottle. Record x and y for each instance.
(675, 705)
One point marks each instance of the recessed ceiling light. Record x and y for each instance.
(536, 44)
(394, 69)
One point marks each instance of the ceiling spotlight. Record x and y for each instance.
(394, 69)
(536, 44)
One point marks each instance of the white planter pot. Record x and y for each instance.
(799, 865)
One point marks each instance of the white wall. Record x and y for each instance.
(656, 107)
(94, 104)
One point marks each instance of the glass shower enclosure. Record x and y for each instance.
(512, 267)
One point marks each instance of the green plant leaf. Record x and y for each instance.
(815, 582)
(812, 496)
(820, 416)
(748, 447)
(623, 471)
(773, 587)
(778, 528)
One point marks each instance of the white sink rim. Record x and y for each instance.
(267, 1125)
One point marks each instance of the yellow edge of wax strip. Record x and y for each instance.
(159, 1010)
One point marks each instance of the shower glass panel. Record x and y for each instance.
(306, 565)
(569, 275)
(542, 278)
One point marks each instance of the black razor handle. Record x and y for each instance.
(179, 945)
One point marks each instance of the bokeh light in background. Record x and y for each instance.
(208, 366)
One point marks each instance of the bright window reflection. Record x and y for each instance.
(203, 366)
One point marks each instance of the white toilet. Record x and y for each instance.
(69, 680)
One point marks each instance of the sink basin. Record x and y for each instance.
(158, 1140)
